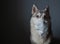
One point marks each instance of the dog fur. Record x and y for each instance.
(40, 25)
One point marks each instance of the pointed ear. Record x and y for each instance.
(34, 9)
(46, 8)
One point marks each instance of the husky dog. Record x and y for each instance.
(40, 25)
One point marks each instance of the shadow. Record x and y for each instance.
(55, 41)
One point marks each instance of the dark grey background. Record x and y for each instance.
(54, 6)
(16, 19)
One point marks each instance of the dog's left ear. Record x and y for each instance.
(46, 8)
(34, 9)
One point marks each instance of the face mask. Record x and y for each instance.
(41, 27)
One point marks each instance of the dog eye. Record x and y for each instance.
(45, 17)
(37, 16)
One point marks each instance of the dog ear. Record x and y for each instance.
(46, 8)
(34, 9)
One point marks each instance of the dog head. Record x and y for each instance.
(38, 14)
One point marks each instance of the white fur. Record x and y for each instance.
(37, 28)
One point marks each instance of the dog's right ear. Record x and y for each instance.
(34, 9)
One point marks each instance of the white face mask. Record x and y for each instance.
(40, 26)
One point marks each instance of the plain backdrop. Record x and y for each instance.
(16, 19)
